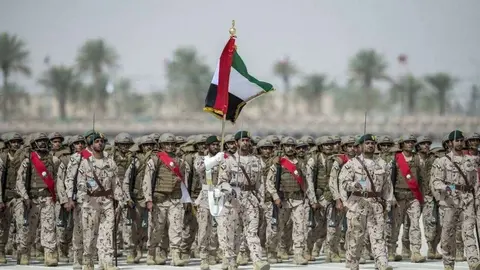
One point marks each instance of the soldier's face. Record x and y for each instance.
(424, 147)
(15, 145)
(123, 147)
(327, 148)
(266, 152)
(336, 147)
(473, 143)
(42, 145)
(277, 145)
(98, 145)
(358, 149)
(200, 147)
(147, 147)
(214, 148)
(369, 147)
(408, 145)
(244, 144)
(349, 149)
(458, 144)
(78, 146)
(289, 149)
(231, 147)
(169, 147)
(56, 144)
(385, 147)
(302, 150)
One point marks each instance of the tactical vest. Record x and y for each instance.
(427, 168)
(37, 182)
(167, 181)
(11, 171)
(122, 164)
(414, 165)
(387, 156)
(288, 184)
(140, 173)
(323, 171)
(265, 170)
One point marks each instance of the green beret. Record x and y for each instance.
(242, 134)
(366, 137)
(212, 139)
(455, 135)
(88, 133)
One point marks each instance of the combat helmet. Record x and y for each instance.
(167, 138)
(123, 138)
(55, 135)
(288, 140)
(265, 143)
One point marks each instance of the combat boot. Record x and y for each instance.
(50, 259)
(151, 257)
(224, 265)
(77, 260)
(298, 259)
(406, 253)
(283, 254)
(417, 258)
(261, 265)
(315, 251)
(430, 252)
(160, 257)
(3, 258)
(131, 256)
(459, 256)
(185, 257)
(63, 253)
(138, 255)
(204, 264)
(212, 259)
(475, 266)
(110, 266)
(394, 257)
(273, 258)
(88, 266)
(242, 258)
(23, 259)
(176, 258)
(333, 257)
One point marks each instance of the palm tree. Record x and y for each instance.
(442, 83)
(285, 69)
(188, 77)
(474, 98)
(13, 59)
(366, 67)
(62, 81)
(312, 90)
(16, 95)
(94, 57)
(407, 87)
(122, 95)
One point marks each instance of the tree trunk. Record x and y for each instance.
(62, 103)
(411, 100)
(442, 102)
(5, 96)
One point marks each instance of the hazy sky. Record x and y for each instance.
(318, 35)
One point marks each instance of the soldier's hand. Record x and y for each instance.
(448, 189)
(2, 207)
(275, 160)
(71, 204)
(187, 207)
(130, 204)
(278, 202)
(339, 205)
(149, 206)
(358, 186)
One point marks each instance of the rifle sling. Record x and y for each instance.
(95, 177)
(460, 171)
(368, 174)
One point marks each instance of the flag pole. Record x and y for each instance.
(232, 32)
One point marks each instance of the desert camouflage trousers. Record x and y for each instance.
(297, 215)
(6, 218)
(431, 221)
(369, 217)
(135, 229)
(412, 208)
(207, 233)
(448, 245)
(247, 213)
(64, 234)
(98, 217)
(189, 233)
(43, 209)
(315, 232)
(77, 234)
(166, 219)
(334, 223)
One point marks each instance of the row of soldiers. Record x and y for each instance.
(280, 194)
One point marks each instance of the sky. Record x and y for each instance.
(317, 35)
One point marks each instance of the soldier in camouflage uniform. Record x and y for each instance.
(366, 177)
(289, 193)
(8, 196)
(164, 176)
(309, 140)
(455, 177)
(407, 202)
(230, 144)
(98, 189)
(320, 165)
(431, 222)
(240, 177)
(36, 187)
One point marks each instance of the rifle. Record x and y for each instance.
(4, 177)
(131, 181)
(116, 212)
(393, 178)
(311, 216)
(65, 219)
(333, 215)
(275, 211)
(28, 183)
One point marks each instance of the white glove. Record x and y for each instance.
(211, 162)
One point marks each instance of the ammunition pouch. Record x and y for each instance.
(39, 193)
(402, 194)
(159, 197)
(297, 195)
(101, 193)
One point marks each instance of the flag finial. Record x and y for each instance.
(232, 29)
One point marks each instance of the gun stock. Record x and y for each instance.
(278, 175)
(28, 183)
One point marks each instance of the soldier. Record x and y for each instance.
(207, 225)
(301, 151)
(384, 145)
(406, 167)
(36, 187)
(366, 178)
(240, 177)
(337, 144)
(56, 141)
(309, 140)
(455, 177)
(164, 187)
(98, 189)
(431, 222)
(336, 215)
(288, 188)
(230, 144)
(8, 195)
(320, 165)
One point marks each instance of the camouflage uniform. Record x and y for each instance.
(366, 205)
(163, 192)
(457, 189)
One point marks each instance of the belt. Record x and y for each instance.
(100, 193)
(366, 194)
(463, 188)
(34, 194)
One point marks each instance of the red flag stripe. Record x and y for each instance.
(221, 100)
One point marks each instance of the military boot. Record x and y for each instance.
(138, 255)
(185, 256)
(315, 251)
(393, 257)
(242, 258)
(109, 266)
(333, 257)
(88, 266)
(160, 257)
(63, 253)
(23, 259)
(417, 257)
(151, 257)
(177, 258)
(3, 258)
(77, 260)
(283, 254)
(406, 253)
(459, 255)
(475, 266)
(261, 265)
(204, 264)
(273, 258)
(224, 265)
(50, 259)
(232, 264)
(130, 256)
(431, 252)
(298, 259)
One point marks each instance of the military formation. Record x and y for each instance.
(162, 198)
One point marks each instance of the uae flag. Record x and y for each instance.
(232, 86)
